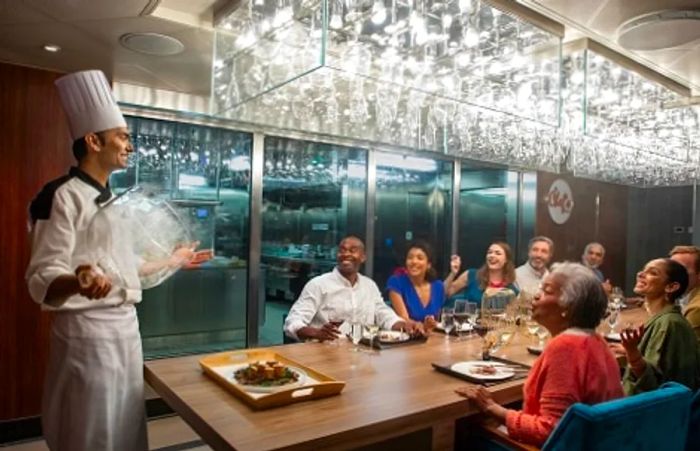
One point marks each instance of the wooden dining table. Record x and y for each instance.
(389, 394)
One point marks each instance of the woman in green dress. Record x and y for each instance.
(664, 348)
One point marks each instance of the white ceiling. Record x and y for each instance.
(88, 32)
(601, 19)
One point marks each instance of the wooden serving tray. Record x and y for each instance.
(317, 385)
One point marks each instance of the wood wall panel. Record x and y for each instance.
(605, 222)
(35, 149)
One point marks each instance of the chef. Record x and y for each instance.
(93, 394)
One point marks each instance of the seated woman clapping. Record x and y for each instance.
(416, 294)
(575, 366)
(665, 347)
(497, 274)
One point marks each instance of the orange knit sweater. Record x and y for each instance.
(574, 367)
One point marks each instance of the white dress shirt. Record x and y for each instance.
(330, 296)
(528, 279)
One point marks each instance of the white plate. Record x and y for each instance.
(258, 389)
(466, 327)
(469, 369)
(392, 336)
(613, 337)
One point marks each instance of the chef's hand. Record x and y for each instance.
(182, 254)
(93, 284)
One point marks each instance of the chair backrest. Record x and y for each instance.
(653, 420)
(693, 441)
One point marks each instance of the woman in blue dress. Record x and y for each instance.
(497, 274)
(417, 294)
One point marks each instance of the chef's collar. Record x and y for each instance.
(105, 192)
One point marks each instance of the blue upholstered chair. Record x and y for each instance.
(693, 441)
(655, 420)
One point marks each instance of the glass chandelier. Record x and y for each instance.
(459, 76)
(471, 78)
(623, 127)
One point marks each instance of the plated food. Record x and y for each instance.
(484, 370)
(393, 336)
(267, 376)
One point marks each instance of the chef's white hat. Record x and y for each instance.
(89, 103)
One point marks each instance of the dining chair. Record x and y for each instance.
(693, 441)
(652, 420)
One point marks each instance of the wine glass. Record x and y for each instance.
(372, 330)
(482, 330)
(356, 335)
(461, 316)
(472, 310)
(448, 321)
(532, 329)
(336, 321)
(613, 319)
(617, 298)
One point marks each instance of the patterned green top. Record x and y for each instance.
(670, 349)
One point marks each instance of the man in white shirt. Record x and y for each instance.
(529, 276)
(329, 301)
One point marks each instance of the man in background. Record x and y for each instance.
(593, 256)
(529, 275)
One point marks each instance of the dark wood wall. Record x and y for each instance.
(599, 214)
(35, 149)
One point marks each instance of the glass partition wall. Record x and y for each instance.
(205, 173)
(413, 202)
(313, 195)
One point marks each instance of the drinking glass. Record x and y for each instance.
(448, 321)
(532, 329)
(355, 335)
(617, 298)
(613, 318)
(461, 316)
(372, 330)
(335, 321)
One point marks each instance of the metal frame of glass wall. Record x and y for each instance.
(518, 182)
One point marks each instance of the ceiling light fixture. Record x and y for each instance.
(155, 44)
(52, 48)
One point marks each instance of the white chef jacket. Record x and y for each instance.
(331, 296)
(93, 394)
(60, 241)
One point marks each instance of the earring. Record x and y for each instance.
(563, 314)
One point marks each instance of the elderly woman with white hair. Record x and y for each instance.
(575, 366)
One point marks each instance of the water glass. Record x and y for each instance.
(372, 330)
(613, 319)
(448, 321)
(356, 335)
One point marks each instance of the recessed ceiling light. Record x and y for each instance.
(660, 30)
(53, 48)
(152, 43)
